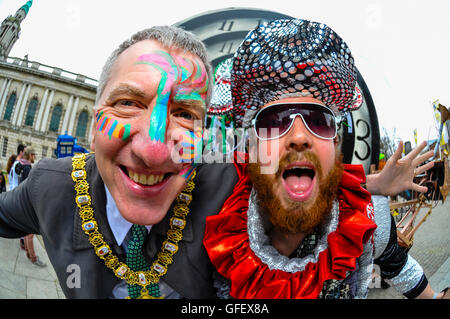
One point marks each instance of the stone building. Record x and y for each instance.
(39, 102)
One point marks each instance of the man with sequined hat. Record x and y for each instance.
(128, 220)
(300, 224)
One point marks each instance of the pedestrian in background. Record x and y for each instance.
(12, 178)
(22, 169)
(13, 181)
(11, 161)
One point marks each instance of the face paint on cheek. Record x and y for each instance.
(190, 152)
(187, 147)
(112, 128)
(191, 147)
(187, 172)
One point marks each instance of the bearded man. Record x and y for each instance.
(300, 225)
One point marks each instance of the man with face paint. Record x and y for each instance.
(128, 220)
(300, 225)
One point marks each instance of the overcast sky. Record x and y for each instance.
(400, 47)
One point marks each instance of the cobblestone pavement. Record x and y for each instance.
(19, 279)
(431, 249)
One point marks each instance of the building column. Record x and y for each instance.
(47, 110)
(73, 115)
(67, 115)
(41, 110)
(23, 106)
(3, 99)
(18, 103)
(2, 91)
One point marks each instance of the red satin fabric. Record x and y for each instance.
(227, 243)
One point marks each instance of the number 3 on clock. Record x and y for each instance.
(363, 139)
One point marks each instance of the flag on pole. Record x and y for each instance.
(415, 136)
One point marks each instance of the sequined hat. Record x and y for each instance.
(221, 94)
(292, 56)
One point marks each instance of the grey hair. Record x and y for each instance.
(167, 36)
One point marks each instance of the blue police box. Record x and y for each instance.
(66, 145)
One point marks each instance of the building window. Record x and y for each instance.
(10, 106)
(5, 146)
(32, 106)
(56, 117)
(82, 124)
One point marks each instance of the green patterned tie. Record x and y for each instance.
(136, 261)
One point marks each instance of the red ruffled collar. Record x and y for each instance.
(227, 243)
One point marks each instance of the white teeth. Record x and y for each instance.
(145, 179)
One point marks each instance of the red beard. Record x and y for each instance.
(298, 217)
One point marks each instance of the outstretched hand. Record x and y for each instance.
(398, 173)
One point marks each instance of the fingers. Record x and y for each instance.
(423, 168)
(422, 158)
(398, 152)
(416, 151)
(418, 188)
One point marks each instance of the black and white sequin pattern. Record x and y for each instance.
(221, 95)
(292, 56)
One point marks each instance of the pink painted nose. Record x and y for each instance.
(152, 153)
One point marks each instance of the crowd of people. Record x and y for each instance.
(140, 225)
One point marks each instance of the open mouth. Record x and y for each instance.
(145, 179)
(299, 181)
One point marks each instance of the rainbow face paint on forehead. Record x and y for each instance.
(181, 79)
(194, 83)
(112, 128)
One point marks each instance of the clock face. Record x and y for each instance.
(360, 143)
(223, 30)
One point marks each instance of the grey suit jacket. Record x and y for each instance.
(44, 204)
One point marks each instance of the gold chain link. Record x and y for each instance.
(90, 227)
